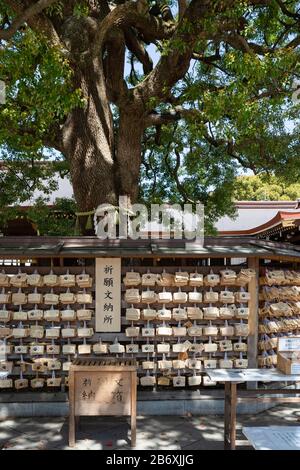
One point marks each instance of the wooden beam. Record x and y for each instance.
(253, 288)
(133, 407)
(72, 429)
(233, 403)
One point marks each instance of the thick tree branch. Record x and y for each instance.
(237, 41)
(133, 14)
(173, 65)
(133, 78)
(286, 11)
(114, 65)
(137, 48)
(154, 119)
(177, 113)
(211, 61)
(182, 6)
(123, 17)
(24, 16)
(207, 59)
(294, 43)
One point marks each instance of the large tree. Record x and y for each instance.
(216, 100)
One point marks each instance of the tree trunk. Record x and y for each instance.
(88, 142)
(99, 173)
(129, 149)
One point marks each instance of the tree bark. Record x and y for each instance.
(129, 151)
(88, 141)
(101, 170)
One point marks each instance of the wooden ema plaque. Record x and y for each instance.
(102, 387)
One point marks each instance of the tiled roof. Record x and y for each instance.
(218, 247)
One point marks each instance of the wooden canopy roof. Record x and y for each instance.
(214, 247)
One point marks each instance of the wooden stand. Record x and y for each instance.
(102, 387)
(233, 396)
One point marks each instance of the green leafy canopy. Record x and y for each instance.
(265, 187)
(39, 94)
(236, 110)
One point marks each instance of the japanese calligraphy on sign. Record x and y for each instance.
(104, 392)
(108, 295)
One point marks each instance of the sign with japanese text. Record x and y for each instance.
(102, 393)
(108, 295)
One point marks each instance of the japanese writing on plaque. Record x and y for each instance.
(118, 392)
(87, 393)
(108, 294)
(108, 389)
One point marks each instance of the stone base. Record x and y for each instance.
(181, 403)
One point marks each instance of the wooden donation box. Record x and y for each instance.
(102, 387)
(288, 355)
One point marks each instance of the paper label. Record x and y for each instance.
(295, 368)
(289, 344)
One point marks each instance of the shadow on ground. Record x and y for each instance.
(154, 432)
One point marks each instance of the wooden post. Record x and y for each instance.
(72, 437)
(133, 409)
(233, 402)
(77, 422)
(226, 415)
(253, 318)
